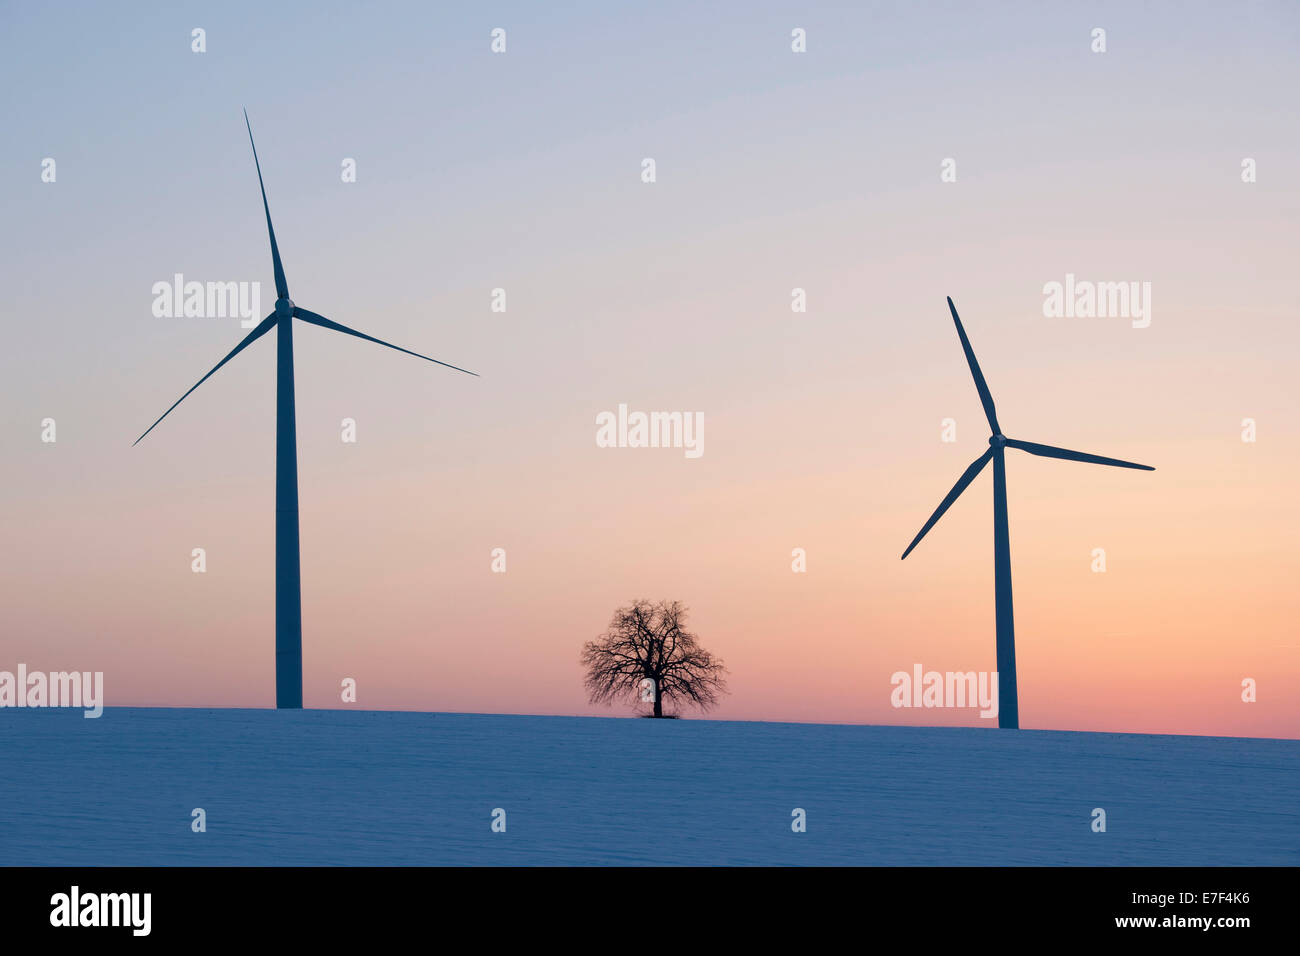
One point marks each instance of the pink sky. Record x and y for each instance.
(822, 429)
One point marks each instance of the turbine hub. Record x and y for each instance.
(998, 441)
(284, 308)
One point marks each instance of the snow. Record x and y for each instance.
(397, 788)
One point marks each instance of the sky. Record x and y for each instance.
(823, 429)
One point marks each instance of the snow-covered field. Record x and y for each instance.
(349, 787)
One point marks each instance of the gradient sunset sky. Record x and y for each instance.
(822, 430)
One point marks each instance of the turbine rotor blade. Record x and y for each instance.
(1050, 451)
(325, 323)
(986, 398)
(262, 328)
(966, 478)
(281, 287)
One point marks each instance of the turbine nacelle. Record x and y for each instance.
(285, 310)
(998, 442)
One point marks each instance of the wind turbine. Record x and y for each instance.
(1008, 705)
(288, 589)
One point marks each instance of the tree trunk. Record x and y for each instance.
(659, 701)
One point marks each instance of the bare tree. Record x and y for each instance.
(647, 654)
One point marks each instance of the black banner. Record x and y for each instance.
(330, 904)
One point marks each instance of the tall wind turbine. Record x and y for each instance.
(288, 589)
(1008, 705)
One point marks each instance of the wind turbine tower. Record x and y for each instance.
(288, 577)
(1008, 700)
